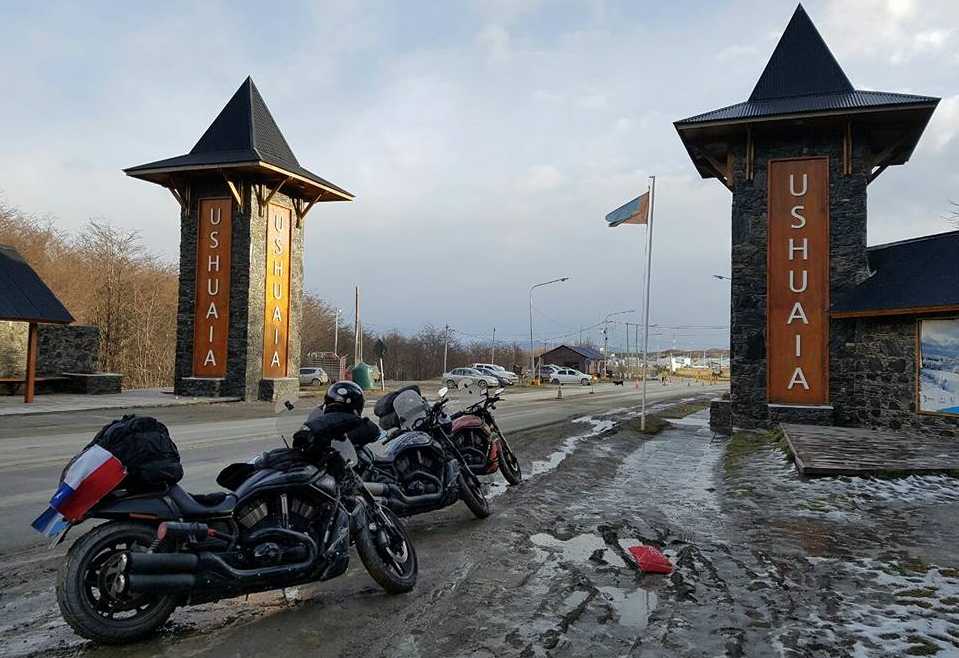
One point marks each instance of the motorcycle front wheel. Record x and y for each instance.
(90, 586)
(386, 550)
(471, 491)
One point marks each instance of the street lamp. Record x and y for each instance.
(532, 361)
(336, 331)
(606, 337)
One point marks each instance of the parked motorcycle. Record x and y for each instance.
(290, 519)
(418, 468)
(482, 443)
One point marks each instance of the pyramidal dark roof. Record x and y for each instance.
(243, 133)
(803, 77)
(801, 65)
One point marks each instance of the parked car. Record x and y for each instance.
(569, 376)
(505, 376)
(313, 377)
(546, 372)
(463, 377)
(502, 377)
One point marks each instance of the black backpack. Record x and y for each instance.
(144, 447)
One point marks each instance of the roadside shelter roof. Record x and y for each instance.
(25, 297)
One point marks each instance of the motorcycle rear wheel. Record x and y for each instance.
(480, 504)
(386, 550)
(508, 463)
(87, 582)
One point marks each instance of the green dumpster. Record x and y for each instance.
(363, 376)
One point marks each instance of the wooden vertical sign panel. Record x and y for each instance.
(212, 313)
(276, 321)
(797, 322)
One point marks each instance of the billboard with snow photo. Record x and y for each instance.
(939, 366)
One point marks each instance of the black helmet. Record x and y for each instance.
(344, 396)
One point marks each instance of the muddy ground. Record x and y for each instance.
(766, 564)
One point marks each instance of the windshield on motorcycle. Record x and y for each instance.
(410, 407)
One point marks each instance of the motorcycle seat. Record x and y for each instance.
(379, 450)
(201, 505)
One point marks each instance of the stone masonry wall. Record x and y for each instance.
(848, 264)
(67, 348)
(60, 348)
(879, 364)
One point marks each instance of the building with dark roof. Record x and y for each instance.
(823, 329)
(582, 357)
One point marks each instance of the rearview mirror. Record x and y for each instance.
(442, 392)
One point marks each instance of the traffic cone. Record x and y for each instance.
(559, 392)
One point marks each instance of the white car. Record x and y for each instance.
(313, 377)
(569, 376)
(465, 377)
(499, 372)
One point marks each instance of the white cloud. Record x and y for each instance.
(495, 40)
(943, 128)
(542, 178)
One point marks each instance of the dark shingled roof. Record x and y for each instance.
(803, 77)
(582, 350)
(918, 273)
(26, 297)
(243, 132)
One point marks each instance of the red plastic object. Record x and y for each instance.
(650, 559)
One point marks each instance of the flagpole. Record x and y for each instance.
(649, 263)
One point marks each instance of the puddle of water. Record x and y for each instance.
(569, 445)
(578, 548)
(633, 607)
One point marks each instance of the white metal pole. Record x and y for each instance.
(649, 264)
(532, 364)
(446, 342)
(336, 332)
(492, 349)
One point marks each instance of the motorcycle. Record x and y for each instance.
(417, 467)
(482, 443)
(290, 518)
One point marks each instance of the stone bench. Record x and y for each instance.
(14, 385)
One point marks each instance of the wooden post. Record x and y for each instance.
(31, 363)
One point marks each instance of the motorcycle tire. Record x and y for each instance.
(508, 464)
(75, 597)
(379, 558)
(480, 505)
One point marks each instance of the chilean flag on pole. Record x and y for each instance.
(91, 476)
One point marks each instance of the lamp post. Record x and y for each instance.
(336, 332)
(532, 361)
(606, 337)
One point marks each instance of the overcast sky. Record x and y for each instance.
(484, 141)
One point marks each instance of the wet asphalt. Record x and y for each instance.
(766, 564)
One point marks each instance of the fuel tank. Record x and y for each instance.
(467, 422)
(388, 452)
(269, 478)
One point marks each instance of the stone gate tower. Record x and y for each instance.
(798, 157)
(243, 198)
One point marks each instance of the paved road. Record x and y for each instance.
(34, 449)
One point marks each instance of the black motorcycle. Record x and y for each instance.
(418, 468)
(290, 519)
